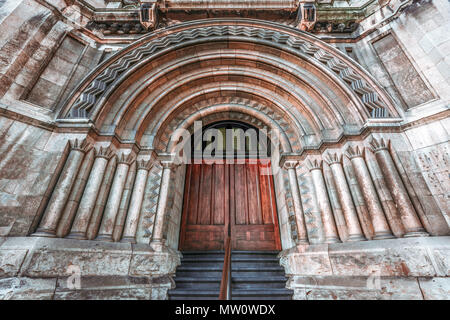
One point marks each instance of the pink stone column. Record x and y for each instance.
(61, 192)
(410, 220)
(350, 214)
(379, 222)
(329, 225)
(134, 211)
(299, 215)
(87, 202)
(115, 196)
(157, 236)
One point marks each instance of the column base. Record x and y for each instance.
(128, 240)
(77, 236)
(44, 233)
(302, 241)
(381, 236)
(418, 233)
(332, 240)
(104, 237)
(356, 237)
(158, 245)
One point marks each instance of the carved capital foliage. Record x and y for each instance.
(290, 164)
(332, 158)
(80, 145)
(127, 159)
(356, 152)
(103, 152)
(377, 145)
(315, 164)
(144, 165)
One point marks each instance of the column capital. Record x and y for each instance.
(314, 164)
(127, 159)
(352, 153)
(168, 164)
(377, 145)
(144, 165)
(332, 158)
(80, 145)
(103, 152)
(290, 164)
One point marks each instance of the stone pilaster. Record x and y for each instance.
(345, 198)
(61, 192)
(410, 220)
(112, 206)
(299, 215)
(131, 224)
(89, 198)
(379, 222)
(329, 225)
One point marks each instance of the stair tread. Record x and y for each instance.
(255, 275)
(184, 291)
(264, 292)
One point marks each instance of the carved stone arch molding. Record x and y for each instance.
(216, 109)
(295, 49)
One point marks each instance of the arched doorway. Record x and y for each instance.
(229, 189)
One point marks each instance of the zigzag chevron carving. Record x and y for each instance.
(88, 98)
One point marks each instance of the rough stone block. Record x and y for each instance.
(398, 257)
(27, 289)
(435, 288)
(10, 262)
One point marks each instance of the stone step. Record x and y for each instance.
(261, 293)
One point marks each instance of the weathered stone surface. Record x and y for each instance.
(53, 257)
(435, 288)
(307, 260)
(27, 289)
(105, 288)
(390, 258)
(355, 287)
(269, 76)
(146, 262)
(10, 262)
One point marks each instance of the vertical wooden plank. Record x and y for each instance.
(254, 207)
(204, 210)
(220, 191)
(193, 194)
(232, 202)
(266, 203)
(240, 193)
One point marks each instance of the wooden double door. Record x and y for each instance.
(238, 197)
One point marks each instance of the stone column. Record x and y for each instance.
(410, 220)
(115, 196)
(72, 204)
(350, 214)
(134, 211)
(87, 202)
(61, 192)
(379, 222)
(329, 225)
(300, 218)
(157, 236)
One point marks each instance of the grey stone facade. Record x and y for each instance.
(90, 99)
